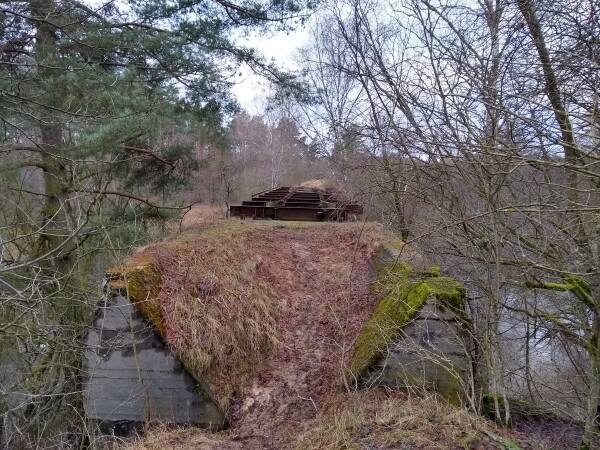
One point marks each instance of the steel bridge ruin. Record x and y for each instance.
(297, 203)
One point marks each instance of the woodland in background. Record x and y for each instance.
(471, 129)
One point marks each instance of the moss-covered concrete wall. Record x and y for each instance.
(417, 337)
(132, 376)
(141, 284)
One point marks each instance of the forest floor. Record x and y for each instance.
(317, 281)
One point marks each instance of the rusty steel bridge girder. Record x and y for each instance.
(297, 203)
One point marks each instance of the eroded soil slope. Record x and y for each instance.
(322, 283)
(268, 313)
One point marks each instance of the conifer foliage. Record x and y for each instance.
(98, 103)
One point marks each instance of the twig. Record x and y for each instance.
(150, 153)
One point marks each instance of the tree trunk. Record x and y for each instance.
(53, 227)
(401, 219)
(592, 419)
(554, 94)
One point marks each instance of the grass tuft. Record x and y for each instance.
(379, 418)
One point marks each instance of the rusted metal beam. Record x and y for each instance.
(296, 203)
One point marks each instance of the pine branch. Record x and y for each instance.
(150, 153)
(133, 197)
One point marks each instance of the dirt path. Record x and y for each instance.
(323, 288)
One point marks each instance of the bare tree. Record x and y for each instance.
(483, 116)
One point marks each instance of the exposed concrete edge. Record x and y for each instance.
(141, 284)
(394, 279)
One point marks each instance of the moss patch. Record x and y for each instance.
(520, 411)
(401, 299)
(141, 281)
(143, 287)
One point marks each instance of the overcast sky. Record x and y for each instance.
(251, 91)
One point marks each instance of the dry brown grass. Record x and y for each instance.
(201, 214)
(166, 437)
(218, 315)
(379, 418)
(375, 418)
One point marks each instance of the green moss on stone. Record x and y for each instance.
(386, 260)
(401, 299)
(434, 271)
(143, 287)
(390, 314)
(454, 390)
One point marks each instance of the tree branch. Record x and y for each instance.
(132, 197)
(150, 153)
(573, 284)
